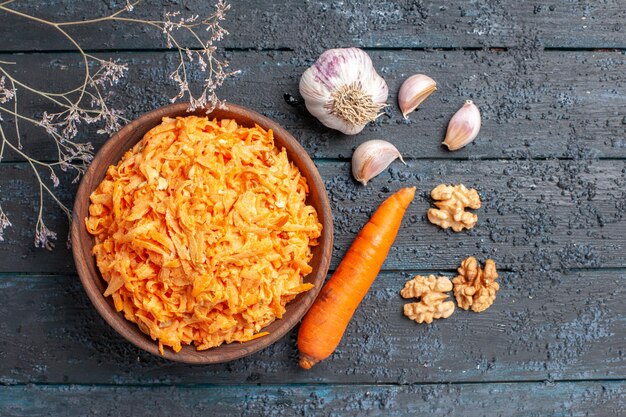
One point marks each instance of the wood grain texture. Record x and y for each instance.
(534, 104)
(590, 399)
(560, 399)
(536, 215)
(542, 326)
(316, 25)
(554, 214)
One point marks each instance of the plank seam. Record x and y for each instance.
(497, 49)
(6, 275)
(317, 384)
(406, 158)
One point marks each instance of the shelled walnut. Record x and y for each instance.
(476, 287)
(451, 202)
(432, 292)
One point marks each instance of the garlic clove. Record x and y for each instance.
(414, 91)
(463, 127)
(371, 158)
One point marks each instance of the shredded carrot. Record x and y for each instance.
(202, 232)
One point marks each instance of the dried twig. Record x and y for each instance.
(87, 102)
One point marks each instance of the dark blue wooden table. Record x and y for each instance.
(550, 165)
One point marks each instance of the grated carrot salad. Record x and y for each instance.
(202, 232)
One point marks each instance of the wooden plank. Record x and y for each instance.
(316, 25)
(19, 198)
(537, 105)
(600, 399)
(542, 326)
(536, 215)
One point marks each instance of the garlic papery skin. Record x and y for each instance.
(414, 91)
(371, 158)
(463, 127)
(343, 90)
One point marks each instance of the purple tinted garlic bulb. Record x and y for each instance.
(343, 90)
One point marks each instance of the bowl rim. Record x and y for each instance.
(89, 274)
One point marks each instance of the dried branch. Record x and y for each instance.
(87, 102)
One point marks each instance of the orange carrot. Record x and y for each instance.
(323, 326)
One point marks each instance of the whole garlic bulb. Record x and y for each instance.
(343, 90)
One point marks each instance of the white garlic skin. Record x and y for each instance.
(463, 127)
(371, 158)
(334, 69)
(414, 91)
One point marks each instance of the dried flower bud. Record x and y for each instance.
(463, 127)
(371, 158)
(414, 91)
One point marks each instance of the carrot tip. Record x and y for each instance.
(307, 362)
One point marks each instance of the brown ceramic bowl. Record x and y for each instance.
(82, 242)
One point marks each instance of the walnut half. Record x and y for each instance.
(432, 292)
(451, 202)
(476, 287)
